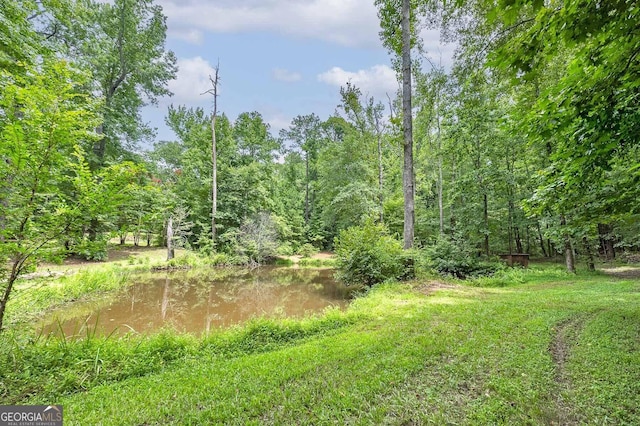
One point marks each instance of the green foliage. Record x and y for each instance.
(367, 255)
(32, 299)
(316, 263)
(92, 250)
(307, 250)
(455, 258)
(51, 366)
(186, 260)
(122, 43)
(43, 121)
(222, 259)
(285, 249)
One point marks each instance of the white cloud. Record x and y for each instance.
(438, 53)
(192, 80)
(278, 122)
(273, 115)
(377, 81)
(192, 36)
(281, 74)
(345, 22)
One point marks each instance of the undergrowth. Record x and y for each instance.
(50, 366)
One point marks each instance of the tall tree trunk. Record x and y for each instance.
(486, 223)
(607, 241)
(380, 169)
(551, 247)
(510, 217)
(214, 155)
(407, 122)
(591, 264)
(453, 179)
(306, 194)
(170, 249)
(544, 252)
(440, 201)
(440, 178)
(511, 204)
(518, 240)
(568, 248)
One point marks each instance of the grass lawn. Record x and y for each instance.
(547, 348)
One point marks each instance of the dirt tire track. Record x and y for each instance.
(623, 272)
(565, 333)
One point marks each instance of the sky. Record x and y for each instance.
(281, 58)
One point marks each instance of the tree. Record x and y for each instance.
(187, 163)
(407, 125)
(214, 155)
(43, 121)
(122, 44)
(347, 193)
(365, 114)
(433, 89)
(305, 134)
(400, 43)
(19, 41)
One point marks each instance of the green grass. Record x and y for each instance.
(316, 263)
(484, 353)
(33, 297)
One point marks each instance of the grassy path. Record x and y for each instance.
(554, 350)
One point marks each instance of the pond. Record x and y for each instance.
(200, 301)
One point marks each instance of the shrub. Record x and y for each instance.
(368, 255)
(285, 249)
(221, 259)
(455, 258)
(92, 250)
(307, 250)
(186, 260)
(316, 263)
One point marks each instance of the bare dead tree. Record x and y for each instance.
(215, 80)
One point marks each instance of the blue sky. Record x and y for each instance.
(281, 58)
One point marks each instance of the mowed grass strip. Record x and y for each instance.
(460, 355)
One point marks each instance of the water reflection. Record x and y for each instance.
(201, 301)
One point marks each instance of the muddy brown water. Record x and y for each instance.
(201, 302)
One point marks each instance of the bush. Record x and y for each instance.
(221, 259)
(92, 250)
(368, 255)
(285, 249)
(186, 260)
(455, 258)
(307, 250)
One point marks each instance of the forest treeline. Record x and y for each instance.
(526, 144)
